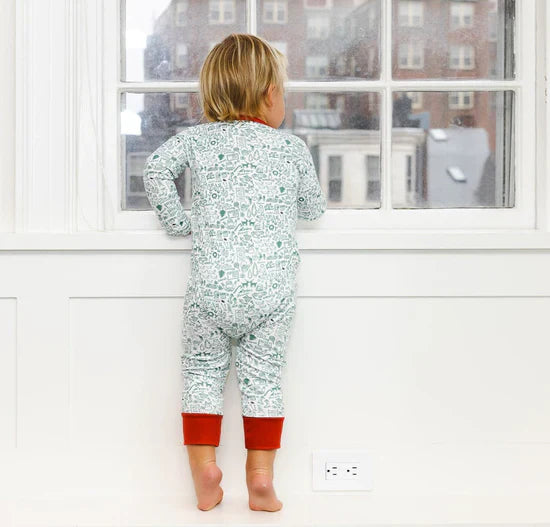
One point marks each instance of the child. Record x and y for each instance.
(250, 183)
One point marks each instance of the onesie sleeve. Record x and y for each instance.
(312, 203)
(162, 167)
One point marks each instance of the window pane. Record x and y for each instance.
(341, 126)
(169, 39)
(325, 40)
(146, 121)
(455, 152)
(435, 39)
(340, 130)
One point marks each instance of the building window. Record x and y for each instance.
(335, 178)
(411, 55)
(411, 13)
(317, 101)
(221, 11)
(316, 65)
(275, 11)
(318, 26)
(373, 178)
(317, 4)
(409, 173)
(461, 100)
(462, 15)
(182, 56)
(461, 57)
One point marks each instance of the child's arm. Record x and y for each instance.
(312, 203)
(164, 165)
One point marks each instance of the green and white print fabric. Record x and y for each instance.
(250, 184)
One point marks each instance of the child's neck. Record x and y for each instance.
(252, 118)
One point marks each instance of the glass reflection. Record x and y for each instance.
(440, 39)
(454, 150)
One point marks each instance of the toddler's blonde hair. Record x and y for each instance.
(236, 75)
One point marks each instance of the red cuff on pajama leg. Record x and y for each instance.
(262, 433)
(201, 429)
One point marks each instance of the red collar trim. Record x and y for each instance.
(252, 118)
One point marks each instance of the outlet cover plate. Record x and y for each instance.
(321, 457)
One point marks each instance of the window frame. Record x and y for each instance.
(528, 164)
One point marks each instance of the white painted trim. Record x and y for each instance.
(7, 124)
(45, 116)
(337, 240)
(88, 209)
(544, 123)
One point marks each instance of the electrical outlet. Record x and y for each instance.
(342, 470)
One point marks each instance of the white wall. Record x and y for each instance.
(435, 362)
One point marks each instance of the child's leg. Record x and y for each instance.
(205, 364)
(206, 475)
(259, 480)
(260, 360)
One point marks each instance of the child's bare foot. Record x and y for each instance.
(207, 477)
(259, 480)
(261, 492)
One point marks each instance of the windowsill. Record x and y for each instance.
(308, 239)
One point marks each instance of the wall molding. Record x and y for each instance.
(308, 239)
(45, 114)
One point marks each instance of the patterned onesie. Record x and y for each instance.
(250, 183)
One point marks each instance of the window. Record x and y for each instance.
(316, 66)
(318, 26)
(462, 14)
(402, 182)
(182, 58)
(461, 100)
(373, 178)
(411, 55)
(275, 12)
(411, 13)
(335, 178)
(317, 4)
(317, 101)
(221, 11)
(461, 57)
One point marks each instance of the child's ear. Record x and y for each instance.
(269, 96)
